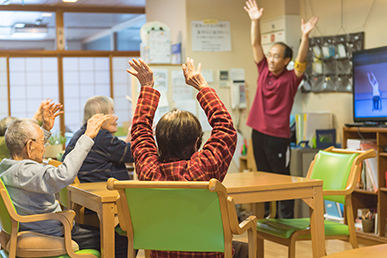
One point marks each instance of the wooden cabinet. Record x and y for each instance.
(247, 162)
(366, 199)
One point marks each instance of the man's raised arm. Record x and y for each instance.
(255, 15)
(306, 28)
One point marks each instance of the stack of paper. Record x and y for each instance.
(307, 123)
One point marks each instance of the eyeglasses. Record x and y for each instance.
(34, 140)
(275, 56)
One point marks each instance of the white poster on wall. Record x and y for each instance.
(211, 36)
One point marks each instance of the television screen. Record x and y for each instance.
(370, 85)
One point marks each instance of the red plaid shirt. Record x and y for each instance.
(211, 162)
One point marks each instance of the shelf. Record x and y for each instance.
(370, 238)
(362, 198)
(365, 192)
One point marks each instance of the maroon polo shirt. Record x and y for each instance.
(273, 101)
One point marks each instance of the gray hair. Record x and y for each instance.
(4, 124)
(97, 105)
(18, 133)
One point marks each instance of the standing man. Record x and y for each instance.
(276, 88)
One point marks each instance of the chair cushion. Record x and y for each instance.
(285, 227)
(83, 251)
(31, 244)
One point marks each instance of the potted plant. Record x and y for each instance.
(55, 146)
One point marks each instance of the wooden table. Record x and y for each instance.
(96, 197)
(251, 187)
(375, 251)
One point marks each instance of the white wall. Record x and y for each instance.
(358, 15)
(172, 13)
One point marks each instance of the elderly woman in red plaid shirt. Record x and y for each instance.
(176, 157)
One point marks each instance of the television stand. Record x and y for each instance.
(367, 124)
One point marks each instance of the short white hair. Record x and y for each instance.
(97, 105)
(18, 133)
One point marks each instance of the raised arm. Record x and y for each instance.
(94, 124)
(372, 80)
(255, 15)
(193, 77)
(38, 116)
(50, 112)
(142, 72)
(306, 28)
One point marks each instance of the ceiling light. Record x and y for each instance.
(30, 31)
(46, 14)
(69, 1)
(19, 25)
(31, 28)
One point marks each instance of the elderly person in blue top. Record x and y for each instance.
(109, 154)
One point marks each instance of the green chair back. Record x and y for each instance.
(176, 219)
(63, 198)
(5, 218)
(334, 169)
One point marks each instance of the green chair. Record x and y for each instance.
(339, 169)
(180, 216)
(32, 244)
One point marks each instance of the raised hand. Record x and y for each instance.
(142, 72)
(372, 79)
(39, 112)
(306, 28)
(194, 77)
(94, 124)
(252, 9)
(50, 112)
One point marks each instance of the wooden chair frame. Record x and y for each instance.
(65, 217)
(227, 206)
(301, 235)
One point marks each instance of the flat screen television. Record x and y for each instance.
(370, 85)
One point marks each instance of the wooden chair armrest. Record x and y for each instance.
(250, 222)
(36, 217)
(66, 217)
(239, 228)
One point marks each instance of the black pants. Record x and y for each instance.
(272, 154)
(241, 249)
(88, 237)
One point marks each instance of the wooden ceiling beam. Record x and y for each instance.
(73, 9)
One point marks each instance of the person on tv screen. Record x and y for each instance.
(377, 103)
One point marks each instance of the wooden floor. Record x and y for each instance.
(303, 248)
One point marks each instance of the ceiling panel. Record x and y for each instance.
(78, 26)
(113, 3)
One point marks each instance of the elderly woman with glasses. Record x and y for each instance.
(109, 154)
